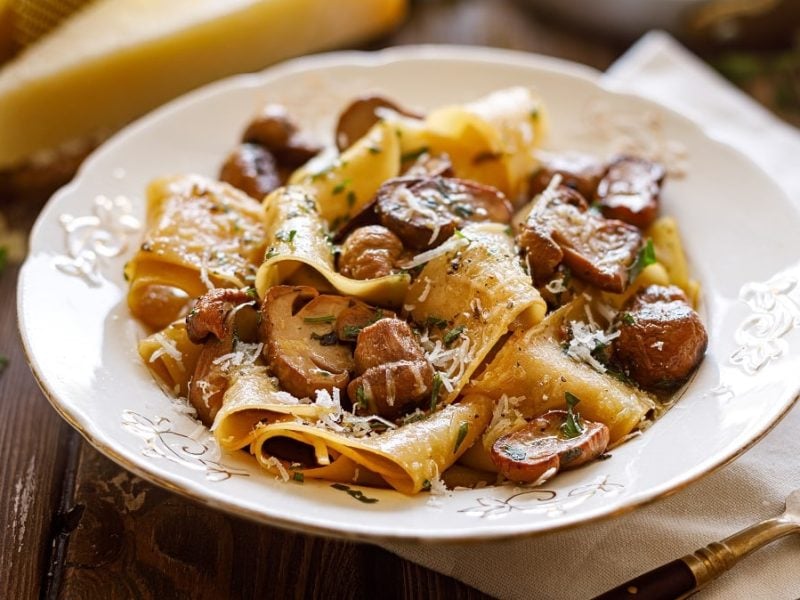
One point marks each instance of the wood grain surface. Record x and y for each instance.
(79, 526)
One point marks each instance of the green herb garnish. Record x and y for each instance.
(516, 453)
(573, 424)
(4, 258)
(434, 321)
(351, 198)
(357, 494)
(361, 397)
(462, 433)
(413, 154)
(452, 335)
(437, 387)
(628, 319)
(322, 319)
(327, 339)
(251, 293)
(350, 332)
(374, 150)
(286, 237)
(645, 258)
(297, 476)
(340, 187)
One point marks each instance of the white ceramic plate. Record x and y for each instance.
(740, 232)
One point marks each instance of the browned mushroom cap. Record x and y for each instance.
(598, 250)
(541, 448)
(274, 130)
(301, 345)
(581, 172)
(359, 117)
(394, 375)
(229, 324)
(630, 190)
(661, 338)
(252, 169)
(425, 212)
(356, 316)
(209, 315)
(392, 389)
(370, 252)
(386, 341)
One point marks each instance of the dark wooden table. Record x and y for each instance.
(78, 526)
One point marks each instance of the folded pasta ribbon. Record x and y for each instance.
(257, 415)
(200, 234)
(300, 252)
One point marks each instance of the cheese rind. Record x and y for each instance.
(118, 59)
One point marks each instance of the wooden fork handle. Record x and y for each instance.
(667, 582)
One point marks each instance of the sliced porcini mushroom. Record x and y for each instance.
(356, 317)
(394, 376)
(301, 346)
(370, 252)
(222, 320)
(426, 211)
(360, 115)
(541, 448)
(252, 169)
(274, 130)
(579, 171)
(210, 312)
(630, 190)
(561, 228)
(661, 338)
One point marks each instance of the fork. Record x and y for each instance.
(684, 576)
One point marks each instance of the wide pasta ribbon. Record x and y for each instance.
(200, 234)
(533, 367)
(300, 252)
(257, 415)
(467, 297)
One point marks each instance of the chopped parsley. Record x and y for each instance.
(350, 332)
(321, 319)
(462, 434)
(340, 187)
(573, 424)
(437, 387)
(645, 258)
(374, 150)
(284, 236)
(251, 292)
(357, 494)
(327, 339)
(628, 319)
(361, 397)
(434, 321)
(297, 476)
(452, 335)
(414, 154)
(351, 198)
(464, 211)
(4, 258)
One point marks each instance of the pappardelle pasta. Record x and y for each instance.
(435, 300)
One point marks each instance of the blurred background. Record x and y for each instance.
(58, 56)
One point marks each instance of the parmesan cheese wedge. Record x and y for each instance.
(117, 59)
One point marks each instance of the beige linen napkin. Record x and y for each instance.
(588, 560)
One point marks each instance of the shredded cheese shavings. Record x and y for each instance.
(451, 245)
(166, 347)
(451, 362)
(585, 339)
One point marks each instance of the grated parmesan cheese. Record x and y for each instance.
(166, 347)
(585, 339)
(243, 354)
(204, 272)
(451, 245)
(282, 472)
